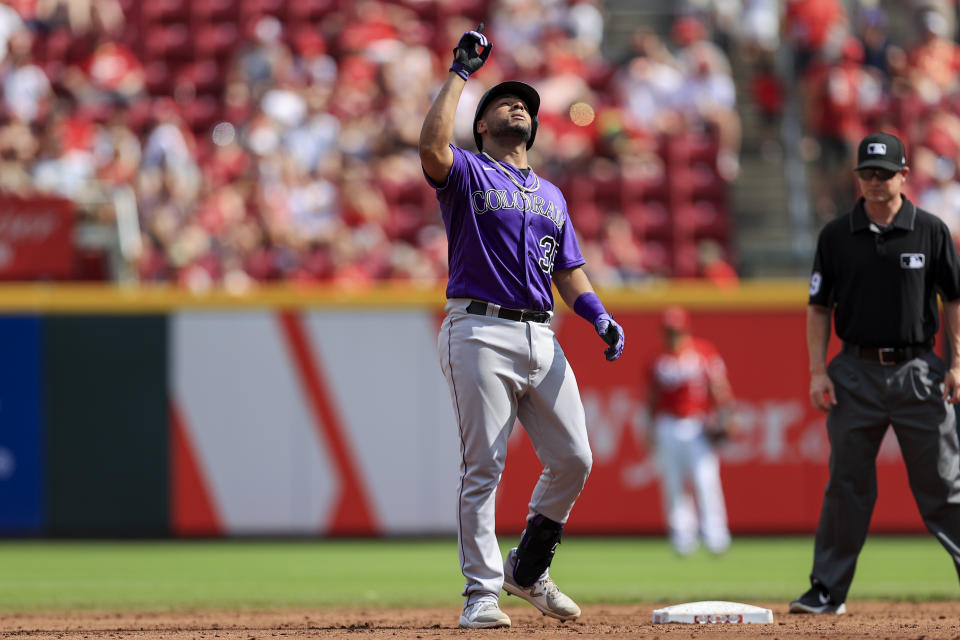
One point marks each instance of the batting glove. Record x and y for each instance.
(612, 334)
(467, 57)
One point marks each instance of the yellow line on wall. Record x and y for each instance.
(100, 298)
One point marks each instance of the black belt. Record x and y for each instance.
(887, 355)
(480, 308)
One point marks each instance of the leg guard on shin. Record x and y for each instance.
(535, 551)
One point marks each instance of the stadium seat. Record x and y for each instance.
(608, 190)
(587, 219)
(204, 75)
(164, 11)
(201, 114)
(649, 220)
(158, 78)
(249, 8)
(215, 39)
(702, 219)
(705, 183)
(638, 187)
(167, 41)
(213, 10)
(691, 147)
(657, 257)
(299, 11)
(685, 259)
(404, 222)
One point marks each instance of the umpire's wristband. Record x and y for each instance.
(589, 307)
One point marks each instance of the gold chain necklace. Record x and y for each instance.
(535, 187)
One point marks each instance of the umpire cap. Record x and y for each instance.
(881, 150)
(523, 91)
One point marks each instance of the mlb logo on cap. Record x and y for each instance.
(881, 150)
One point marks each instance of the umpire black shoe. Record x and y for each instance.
(817, 600)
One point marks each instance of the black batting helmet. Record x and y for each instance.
(523, 91)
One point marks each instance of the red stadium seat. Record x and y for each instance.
(649, 220)
(638, 187)
(607, 190)
(686, 260)
(703, 182)
(587, 219)
(657, 257)
(213, 10)
(201, 114)
(158, 78)
(691, 147)
(167, 41)
(299, 11)
(204, 75)
(404, 222)
(250, 8)
(702, 219)
(215, 39)
(164, 11)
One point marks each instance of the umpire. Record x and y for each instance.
(878, 269)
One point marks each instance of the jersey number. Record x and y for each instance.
(549, 253)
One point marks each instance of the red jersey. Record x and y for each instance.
(682, 379)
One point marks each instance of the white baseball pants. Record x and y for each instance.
(684, 453)
(499, 370)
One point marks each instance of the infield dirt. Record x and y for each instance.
(874, 620)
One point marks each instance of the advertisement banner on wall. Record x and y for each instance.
(280, 426)
(36, 238)
(774, 473)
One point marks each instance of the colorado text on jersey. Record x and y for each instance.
(496, 199)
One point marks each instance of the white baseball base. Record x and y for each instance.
(713, 612)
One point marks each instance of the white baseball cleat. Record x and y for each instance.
(543, 594)
(484, 614)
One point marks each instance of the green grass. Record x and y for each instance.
(59, 575)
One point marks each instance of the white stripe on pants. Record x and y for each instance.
(499, 370)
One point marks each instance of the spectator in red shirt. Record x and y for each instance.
(767, 93)
(111, 75)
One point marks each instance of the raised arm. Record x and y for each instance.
(437, 131)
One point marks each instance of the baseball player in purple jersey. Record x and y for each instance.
(509, 235)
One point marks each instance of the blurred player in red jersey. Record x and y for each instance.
(690, 401)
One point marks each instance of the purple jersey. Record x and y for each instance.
(504, 243)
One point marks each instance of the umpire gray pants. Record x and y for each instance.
(871, 397)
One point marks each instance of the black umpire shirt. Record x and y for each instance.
(882, 282)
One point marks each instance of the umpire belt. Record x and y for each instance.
(480, 308)
(887, 355)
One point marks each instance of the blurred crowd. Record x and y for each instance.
(242, 141)
(895, 69)
(239, 141)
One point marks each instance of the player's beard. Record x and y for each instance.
(515, 129)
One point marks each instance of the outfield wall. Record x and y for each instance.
(306, 412)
